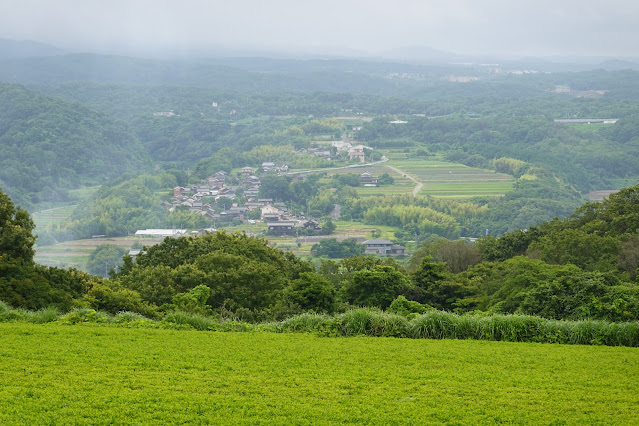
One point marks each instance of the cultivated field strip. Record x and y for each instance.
(99, 374)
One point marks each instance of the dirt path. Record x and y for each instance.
(419, 185)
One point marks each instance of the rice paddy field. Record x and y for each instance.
(91, 374)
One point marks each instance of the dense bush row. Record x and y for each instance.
(367, 322)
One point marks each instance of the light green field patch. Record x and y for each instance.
(76, 253)
(444, 179)
(90, 374)
(55, 216)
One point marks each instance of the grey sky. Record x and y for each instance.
(515, 27)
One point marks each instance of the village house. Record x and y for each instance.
(312, 224)
(368, 179)
(164, 114)
(272, 167)
(252, 180)
(282, 228)
(382, 247)
(271, 214)
(323, 154)
(341, 146)
(251, 192)
(357, 153)
(178, 191)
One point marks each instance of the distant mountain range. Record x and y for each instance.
(27, 49)
(419, 55)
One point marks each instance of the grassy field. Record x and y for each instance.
(57, 374)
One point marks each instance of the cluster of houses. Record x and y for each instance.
(338, 149)
(202, 197)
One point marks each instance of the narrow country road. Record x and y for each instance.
(418, 185)
(352, 166)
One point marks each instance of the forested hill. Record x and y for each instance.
(48, 144)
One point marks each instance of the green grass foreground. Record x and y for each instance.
(89, 374)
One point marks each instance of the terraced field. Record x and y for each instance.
(55, 216)
(439, 178)
(444, 179)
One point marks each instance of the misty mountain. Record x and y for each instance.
(423, 54)
(27, 49)
(107, 69)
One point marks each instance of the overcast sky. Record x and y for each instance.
(513, 27)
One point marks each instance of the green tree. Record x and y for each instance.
(311, 291)
(275, 187)
(104, 258)
(377, 286)
(434, 285)
(194, 300)
(386, 179)
(16, 238)
(457, 255)
(328, 227)
(332, 248)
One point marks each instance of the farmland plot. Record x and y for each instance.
(93, 374)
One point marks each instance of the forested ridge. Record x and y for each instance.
(50, 145)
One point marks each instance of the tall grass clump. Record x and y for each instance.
(44, 315)
(435, 325)
(8, 314)
(306, 323)
(196, 321)
(124, 317)
(4, 307)
(371, 322)
(626, 334)
(86, 315)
